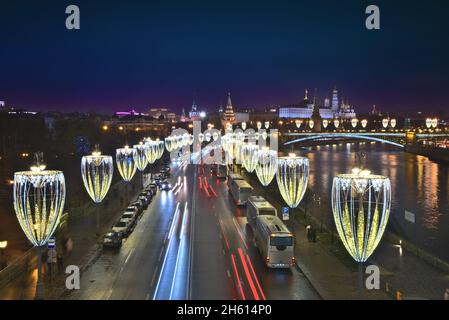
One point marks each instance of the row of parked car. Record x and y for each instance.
(128, 220)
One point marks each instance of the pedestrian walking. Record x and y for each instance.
(69, 246)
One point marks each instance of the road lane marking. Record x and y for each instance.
(129, 255)
(255, 277)
(248, 275)
(237, 277)
(238, 231)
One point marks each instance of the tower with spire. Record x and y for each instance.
(228, 115)
(335, 100)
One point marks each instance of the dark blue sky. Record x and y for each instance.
(154, 53)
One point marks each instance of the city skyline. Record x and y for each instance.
(158, 54)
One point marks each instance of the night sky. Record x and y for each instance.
(162, 53)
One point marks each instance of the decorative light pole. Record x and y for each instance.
(292, 177)
(126, 164)
(97, 171)
(250, 156)
(39, 197)
(361, 207)
(267, 165)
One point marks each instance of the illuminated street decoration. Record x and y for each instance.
(243, 125)
(325, 123)
(364, 123)
(140, 156)
(267, 164)
(354, 122)
(393, 123)
(311, 124)
(259, 125)
(292, 177)
(201, 137)
(125, 162)
(267, 124)
(191, 139)
(160, 146)
(153, 150)
(264, 135)
(97, 171)
(39, 198)
(207, 136)
(298, 123)
(385, 122)
(249, 156)
(169, 144)
(215, 136)
(434, 122)
(336, 123)
(361, 208)
(428, 123)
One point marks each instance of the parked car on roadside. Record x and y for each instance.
(112, 240)
(123, 228)
(138, 203)
(144, 201)
(132, 208)
(130, 216)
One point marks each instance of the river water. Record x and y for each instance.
(419, 186)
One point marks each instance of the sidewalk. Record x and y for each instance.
(330, 277)
(86, 246)
(401, 270)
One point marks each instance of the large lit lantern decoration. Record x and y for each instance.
(311, 124)
(207, 136)
(434, 123)
(336, 123)
(152, 151)
(428, 123)
(354, 122)
(325, 123)
(160, 145)
(259, 125)
(249, 156)
(393, 123)
(292, 177)
(267, 164)
(39, 197)
(201, 137)
(361, 207)
(169, 144)
(140, 156)
(215, 136)
(243, 125)
(298, 123)
(191, 139)
(385, 122)
(97, 171)
(126, 164)
(267, 124)
(364, 123)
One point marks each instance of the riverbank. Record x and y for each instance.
(434, 154)
(406, 271)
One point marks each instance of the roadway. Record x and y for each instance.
(191, 243)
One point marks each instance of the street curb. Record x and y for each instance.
(307, 275)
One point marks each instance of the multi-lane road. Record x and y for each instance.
(191, 243)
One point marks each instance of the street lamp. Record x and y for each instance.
(140, 156)
(126, 164)
(249, 156)
(39, 197)
(266, 165)
(97, 171)
(361, 206)
(292, 177)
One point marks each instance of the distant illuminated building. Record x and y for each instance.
(228, 115)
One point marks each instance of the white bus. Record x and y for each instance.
(232, 177)
(241, 191)
(275, 242)
(257, 206)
